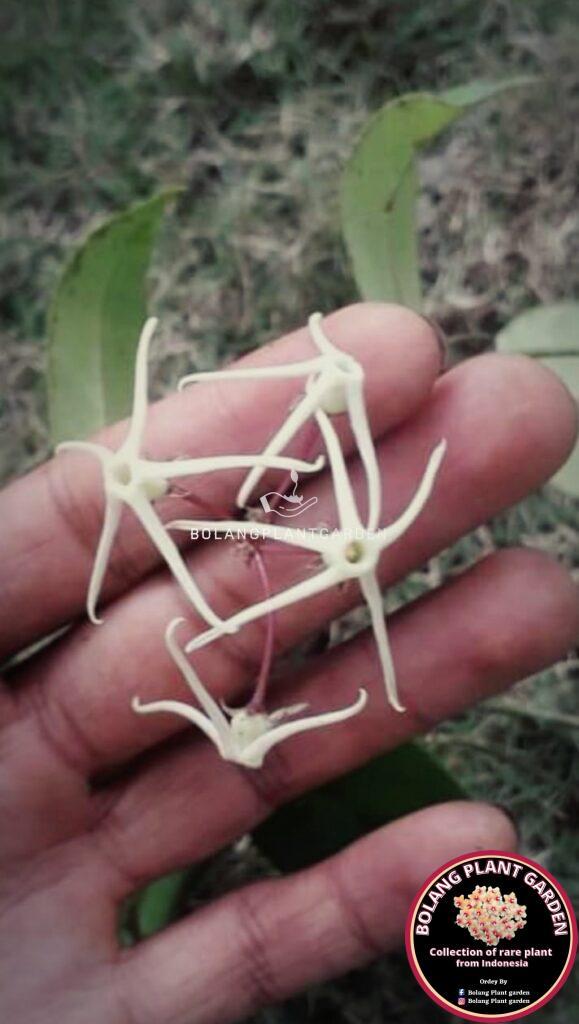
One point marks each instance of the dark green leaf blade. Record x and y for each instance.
(158, 903)
(95, 320)
(328, 819)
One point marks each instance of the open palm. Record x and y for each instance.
(95, 801)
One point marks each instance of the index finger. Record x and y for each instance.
(51, 519)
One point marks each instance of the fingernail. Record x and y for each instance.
(509, 814)
(441, 339)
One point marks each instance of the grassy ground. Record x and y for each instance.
(253, 106)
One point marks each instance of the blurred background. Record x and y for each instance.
(253, 107)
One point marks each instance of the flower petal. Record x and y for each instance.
(293, 422)
(132, 442)
(254, 754)
(371, 591)
(320, 339)
(101, 453)
(301, 368)
(343, 493)
(299, 592)
(391, 533)
(170, 552)
(281, 713)
(177, 707)
(207, 702)
(112, 515)
(365, 443)
(215, 463)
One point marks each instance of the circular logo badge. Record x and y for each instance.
(491, 936)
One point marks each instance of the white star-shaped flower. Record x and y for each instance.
(242, 736)
(132, 480)
(351, 551)
(335, 384)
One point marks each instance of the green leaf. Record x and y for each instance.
(95, 320)
(379, 187)
(158, 904)
(544, 331)
(328, 819)
(551, 335)
(480, 90)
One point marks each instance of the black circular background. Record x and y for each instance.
(446, 978)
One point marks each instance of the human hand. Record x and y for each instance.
(70, 853)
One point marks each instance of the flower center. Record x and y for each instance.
(343, 364)
(247, 726)
(122, 473)
(354, 551)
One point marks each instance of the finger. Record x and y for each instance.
(40, 791)
(506, 618)
(267, 941)
(509, 424)
(52, 518)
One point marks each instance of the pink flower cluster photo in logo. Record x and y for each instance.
(488, 915)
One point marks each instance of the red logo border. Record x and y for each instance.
(450, 1007)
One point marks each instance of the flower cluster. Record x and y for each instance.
(333, 386)
(489, 916)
